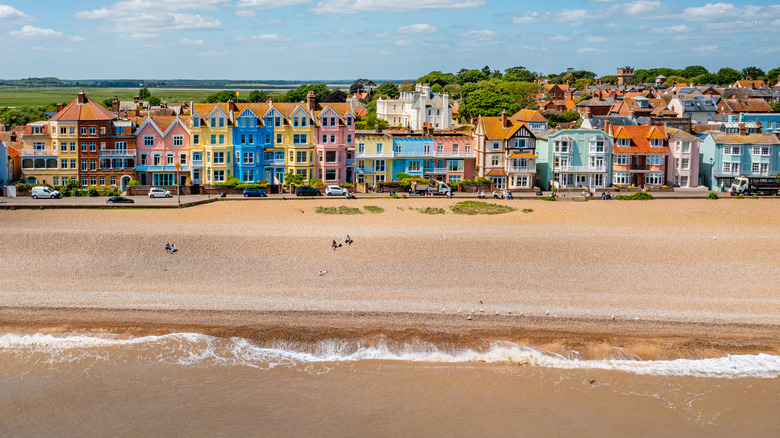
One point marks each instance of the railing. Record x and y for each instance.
(275, 162)
(38, 152)
(350, 162)
(197, 163)
(580, 168)
(117, 152)
(363, 171)
(435, 170)
(168, 168)
(521, 169)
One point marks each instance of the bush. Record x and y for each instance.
(373, 209)
(133, 183)
(712, 195)
(739, 196)
(432, 210)
(78, 192)
(251, 186)
(402, 176)
(346, 185)
(479, 207)
(316, 182)
(23, 187)
(528, 210)
(338, 210)
(638, 196)
(549, 198)
(92, 191)
(755, 196)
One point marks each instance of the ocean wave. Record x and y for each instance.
(197, 349)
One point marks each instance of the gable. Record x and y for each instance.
(523, 132)
(247, 112)
(217, 112)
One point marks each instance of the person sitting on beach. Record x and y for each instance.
(173, 249)
(334, 245)
(508, 194)
(603, 196)
(348, 240)
(495, 194)
(167, 247)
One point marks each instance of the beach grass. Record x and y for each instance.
(338, 210)
(373, 209)
(479, 207)
(431, 210)
(638, 196)
(528, 210)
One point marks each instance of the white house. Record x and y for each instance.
(698, 109)
(415, 108)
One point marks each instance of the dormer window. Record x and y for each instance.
(624, 142)
(196, 122)
(656, 143)
(349, 121)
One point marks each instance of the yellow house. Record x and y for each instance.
(294, 130)
(373, 159)
(40, 162)
(212, 142)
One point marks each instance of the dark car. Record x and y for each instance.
(119, 200)
(254, 193)
(307, 191)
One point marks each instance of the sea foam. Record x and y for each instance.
(198, 349)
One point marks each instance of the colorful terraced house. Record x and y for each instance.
(373, 159)
(162, 143)
(334, 141)
(253, 146)
(447, 158)
(574, 158)
(211, 127)
(505, 152)
(639, 155)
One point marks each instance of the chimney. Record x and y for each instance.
(376, 126)
(503, 118)
(82, 99)
(759, 128)
(13, 136)
(311, 101)
(607, 126)
(59, 107)
(586, 115)
(138, 111)
(231, 106)
(742, 129)
(115, 105)
(631, 114)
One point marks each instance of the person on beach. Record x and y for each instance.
(495, 194)
(348, 240)
(173, 249)
(334, 245)
(167, 247)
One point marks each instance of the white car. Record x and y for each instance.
(154, 192)
(335, 191)
(44, 192)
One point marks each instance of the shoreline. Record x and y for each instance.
(595, 339)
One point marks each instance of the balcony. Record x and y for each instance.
(275, 162)
(517, 169)
(197, 163)
(364, 171)
(117, 152)
(350, 162)
(169, 168)
(580, 169)
(436, 170)
(38, 152)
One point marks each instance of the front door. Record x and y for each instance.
(582, 180)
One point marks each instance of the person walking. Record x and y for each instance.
(167, 247)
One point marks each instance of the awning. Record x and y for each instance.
(523, 155)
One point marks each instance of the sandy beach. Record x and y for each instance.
(680, 277)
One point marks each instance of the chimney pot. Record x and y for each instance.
(311, 101)
(742, 129)
(115, 105)
(503, 118)
(59, 107)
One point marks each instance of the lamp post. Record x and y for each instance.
(178, 185)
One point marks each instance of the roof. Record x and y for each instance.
(679, 134)
(528, 115)
(595, 102)
(724, 138)
(496, 172)
(749, 83)
(640, 139)
(698, 105)
(44, 128)
(747, 105)
(493, 128)
(597, 122)
(84, 108)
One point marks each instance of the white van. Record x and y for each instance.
(44, 193)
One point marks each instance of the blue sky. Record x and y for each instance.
(378, 39)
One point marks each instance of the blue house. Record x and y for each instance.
(725, 156)
(250, 137)
(770, 122)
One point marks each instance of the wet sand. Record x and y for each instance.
(681, 277)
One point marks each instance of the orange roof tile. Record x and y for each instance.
(89, 110)
(496, 172)
(493, 128)
(640, 139)
(528, 115)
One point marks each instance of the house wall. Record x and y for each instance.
(675, 171)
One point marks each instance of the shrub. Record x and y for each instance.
(739, 196)
(549, 198)
(316, 182)
(528, 210)
(373, 209)
(432, 210)
(479, 207)
(402, 176)
(78, 192)
(133, 183)
(755, 196)
(23, 187)
(251, 186)
(346, 185)
(338, 210)
(638, 196)
(92, 191)
(712, 195)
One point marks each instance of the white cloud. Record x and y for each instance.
(10, 12)
(706, 49)
(246, 13)
(264, 37)
(590, 50)
(405, 43)
(34, 33)
(269, 4)
(478, 34)
(418, 28)
(149, 16)
(189, 42)
(642, 7)
(680, 28)
(562, 16)
(595, 40)
(560, 38)
(355, 6)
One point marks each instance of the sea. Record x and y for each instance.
(188, 384)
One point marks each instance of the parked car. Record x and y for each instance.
(154, 192)
(335, 191)
(44, 193)
(254, 193)
(119, 200)
(307, 191)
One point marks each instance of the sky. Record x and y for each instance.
(376, 39)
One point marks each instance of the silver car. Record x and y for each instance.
(154, 192)
(335, 191)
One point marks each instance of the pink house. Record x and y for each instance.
(334, 141)
(683, 168)
(161, 144)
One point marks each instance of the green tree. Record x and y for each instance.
(387, 89)
(336, 96)
(708, 78)
(727, 76)
(154, 101)
(467, 76)
(564, 117)
(221, 96)
(299, 94)
(609, 79)
(582, 83)
(453, 90)
(22, 115)
(257, 96)
(694, 70)
(775, 106)
(772, 76)
(523, 93)
(753, 72)
(487, 102)
(293, 178)
(436, 75)
(671, 80)
(519, 74)
(144, 93)
(107, 102)
(583, 96)
(437, 88)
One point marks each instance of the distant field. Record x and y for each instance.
(13, 96)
